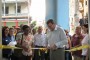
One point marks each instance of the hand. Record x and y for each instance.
(26, 49)
(43, 49)
(24, 45)
(12, 43)
(48, 47)
(53, 47)
(18, 41)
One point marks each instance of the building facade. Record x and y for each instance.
(78, 9)
(73, 15)
(15, 12)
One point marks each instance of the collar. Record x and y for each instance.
(40, 33)
(56, 27)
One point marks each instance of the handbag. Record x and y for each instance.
(18, 52)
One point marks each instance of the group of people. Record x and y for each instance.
(54, 41)
(79, 38)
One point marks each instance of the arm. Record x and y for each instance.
(19, 44)
(46, 40)
(18, 38)
(32, 45)
(69, 42)
(87, 56)
(34, 40)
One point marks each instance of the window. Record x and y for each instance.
(18, 9)
(86, 3)
(6, 10)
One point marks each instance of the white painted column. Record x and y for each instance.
(29, 4)
(51, 10)
(4, 8)
(0, 28)
(16, 7)
(89, 24)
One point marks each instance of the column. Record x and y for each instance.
(16, 23)
(16, 8)
(89, 23)
(76, 15)
(51, 10)
(0, 29)
(63, 13)
(4, 7)
(29, 3)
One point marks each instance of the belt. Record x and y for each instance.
(38, 46)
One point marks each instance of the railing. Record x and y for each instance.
(22, 0)
(13, 1)
(19, 14)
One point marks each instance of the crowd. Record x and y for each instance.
(55, 39)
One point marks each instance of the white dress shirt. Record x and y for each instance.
(39, 39)
(57, 37)
(13, 42)
(85, 42)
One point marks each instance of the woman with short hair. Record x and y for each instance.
(27, 40)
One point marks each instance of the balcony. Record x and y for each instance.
(19, 14)
(14, 15)
(14, 1)
(22, 0)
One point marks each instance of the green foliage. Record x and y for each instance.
(33, 24)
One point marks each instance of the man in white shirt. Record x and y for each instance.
(39, 42)
(56, 39)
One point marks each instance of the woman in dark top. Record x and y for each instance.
(76, 41)
(5, 41)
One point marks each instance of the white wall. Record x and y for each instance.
(71, 16)
(12, 9)
(74, 20)
(24, 8)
